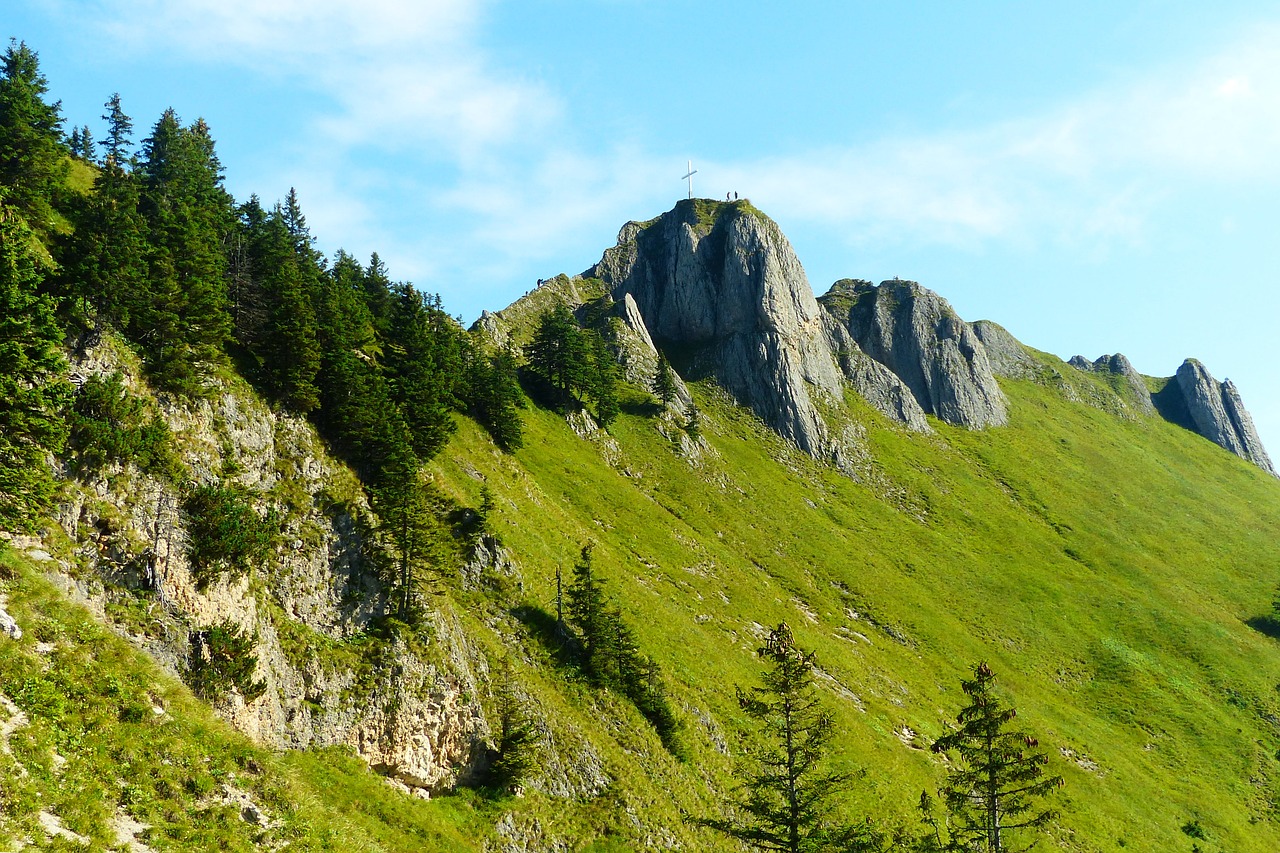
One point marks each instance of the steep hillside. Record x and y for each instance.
(963, 499)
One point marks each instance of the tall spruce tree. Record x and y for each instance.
(183, 326)
(287, 346)
(115, 148)
(787, 797)
(494, 396)
(33, 390)
(997, 780)
(602, 384)
(422, 356)
(559, 356)
(664, 381)
(33, 161)
(104, 274)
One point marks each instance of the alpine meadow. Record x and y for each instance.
(670, 554)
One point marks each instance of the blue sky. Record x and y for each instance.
(1096, 177)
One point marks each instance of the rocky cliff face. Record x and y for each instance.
(722, 281)
(1217, 412)
(915, 333)
(411, 711)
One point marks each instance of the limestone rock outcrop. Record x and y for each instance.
(1006, 355)
(1131, 386)
(640, 356)
(915, 333)
(412, 713)
(722, 282)
(1217, 412)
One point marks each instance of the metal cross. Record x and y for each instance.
(692, 172)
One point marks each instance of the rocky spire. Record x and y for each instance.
(1216, 412)
(720, 281)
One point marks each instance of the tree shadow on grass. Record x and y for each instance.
(1269, 625)
(560, 645)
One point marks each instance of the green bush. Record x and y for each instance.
(224, 533)
(221, 660)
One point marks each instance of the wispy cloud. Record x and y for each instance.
(1092, 169)
(509, 178)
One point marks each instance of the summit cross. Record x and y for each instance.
(689, 176)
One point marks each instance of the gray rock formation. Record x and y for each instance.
(1006, 355)
(640, 356)
(915, 333)
(877, 384)
(1131, 387)
(722, 281)
(8, 625)
(1217, 413)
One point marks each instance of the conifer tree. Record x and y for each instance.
(603, 379)
(287, 346)
(32, 155)
(664, 381)
(184, 322)
(787, 794)
(997, 780)
(558, 355)
(518, 742)
(494, 395)
(115, 148)
(414, 533)
(32, 387)
(104, 275)
(587, 613)
(422, 358)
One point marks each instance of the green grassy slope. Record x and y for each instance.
(1104, 567)
(103, 734)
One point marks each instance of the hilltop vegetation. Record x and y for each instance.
(313, 424)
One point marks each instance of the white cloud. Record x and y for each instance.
(1087, 171)
(399, 72)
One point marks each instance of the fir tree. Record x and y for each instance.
(412, 529)
(493, 394)
(32, 155)
(664, 381)
(516, 756)
(997, 779)
(587, 613)
(104, 275)
(558, 355)
(288, 346)
(602, 384)
(32, 387)
(786, 799)
(184, 323)
(422, 358)
(115, 148)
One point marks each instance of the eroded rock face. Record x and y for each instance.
(722, 281)
(1217, 413)
(413, 714)
(640, 362)
(1133, 388)
(876, 383)
(915, 333)
(1005, 354)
